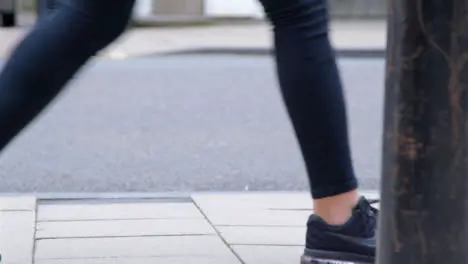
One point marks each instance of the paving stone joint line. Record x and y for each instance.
(225, 242)
(36, 211)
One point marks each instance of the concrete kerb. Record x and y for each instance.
(17, 228)
(371, 45)
(375, 53)
(145, 196)
(342, 53)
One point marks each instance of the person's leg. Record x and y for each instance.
(313, 95)
(50, 55)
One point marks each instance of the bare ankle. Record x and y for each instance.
(336, 210)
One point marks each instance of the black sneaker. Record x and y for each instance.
(353, 243)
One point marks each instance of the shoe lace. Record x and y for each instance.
(371, 202)
(373, 214)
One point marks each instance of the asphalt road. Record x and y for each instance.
(183, 123)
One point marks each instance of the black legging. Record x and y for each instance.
(61, 44)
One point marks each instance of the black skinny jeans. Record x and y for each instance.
(58, 46)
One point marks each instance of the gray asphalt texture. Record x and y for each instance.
(183, 123)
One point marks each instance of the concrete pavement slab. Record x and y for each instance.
(17, 228)
(356, 34)
(372, 36)
(240, 215)
(116, 211)
(256, 200)
(258, 209)
(157, 260)
(269, 254)
(123, 228)
(26, 203)
(243, 217)
(263, 235)
(258, 227)
(255, 209)
(207, 246)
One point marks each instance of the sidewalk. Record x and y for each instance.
(346, 35)
(228, 228)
